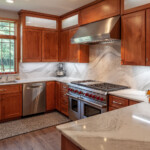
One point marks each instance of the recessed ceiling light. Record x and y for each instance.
(10, 1)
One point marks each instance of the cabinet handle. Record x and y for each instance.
(2, 90)
(64, 87)
(146, 59)
(114, 102)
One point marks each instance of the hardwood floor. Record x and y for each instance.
(45, 139)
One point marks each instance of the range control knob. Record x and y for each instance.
(80, 92)
(102, 99)
(94, 96)
(86, 94)
(98, 98)
(75, 91)
(90, 95)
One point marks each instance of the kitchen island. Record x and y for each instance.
(123, 129)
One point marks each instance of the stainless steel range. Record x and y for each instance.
(88, 98)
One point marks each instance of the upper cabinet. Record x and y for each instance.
(50, 46)
(31, 45)
(133, 39)
(99, 11)
(129, 6)
(39, 37)
(148, 37)
(72, 52)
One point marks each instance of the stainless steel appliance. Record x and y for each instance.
(60, 72)
(88, 98)
(107, 30)
(34, 98)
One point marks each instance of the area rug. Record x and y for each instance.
(22, 126)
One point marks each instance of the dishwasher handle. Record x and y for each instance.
(33, 87)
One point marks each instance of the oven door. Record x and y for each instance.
(74, 108)
(88, 109)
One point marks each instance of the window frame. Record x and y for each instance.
(16, 45)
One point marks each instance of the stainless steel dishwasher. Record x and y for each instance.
(34, 98)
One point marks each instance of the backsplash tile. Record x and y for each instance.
(105, 65)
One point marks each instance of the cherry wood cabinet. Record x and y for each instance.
(72, 52)
(32, 41)
(11, 106)
(77, 53)
(131, 102)
(133, 39)
(58, 96)
(99, 11)
(116, 102)
(148, 37)
(10, 102)
(49, 46)
(50, 96)
(67, 144)
(64, 51)
(64, 100)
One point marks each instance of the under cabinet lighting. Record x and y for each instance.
(10, 1)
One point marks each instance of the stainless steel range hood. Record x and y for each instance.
(107, 30)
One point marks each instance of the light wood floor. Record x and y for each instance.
(45, 139)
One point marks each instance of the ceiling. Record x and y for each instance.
(55, 7)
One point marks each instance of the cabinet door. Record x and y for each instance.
(148, 37)
(49, 46)
(99, 11)
(58, 97)
(64, 51)
(11, 106)
(73, 48)
(50, 96)
(133, 39)
(32, 45)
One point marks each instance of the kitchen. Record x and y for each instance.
(74, 74)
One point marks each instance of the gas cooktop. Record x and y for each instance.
(106, 87)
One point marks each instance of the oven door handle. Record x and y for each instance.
(98, 105)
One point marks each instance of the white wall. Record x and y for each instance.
(8, 14)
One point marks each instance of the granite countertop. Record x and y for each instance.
(131, 94)
(123, 129)
(60, 79)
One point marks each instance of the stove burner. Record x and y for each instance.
(106, 87)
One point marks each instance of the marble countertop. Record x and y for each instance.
(60, 79)
(131, 94)
(122, 129)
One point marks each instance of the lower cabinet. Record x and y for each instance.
(11, 106)
(118, 102)
(58, 88)
(11, 103)
(50, 96)
(67, 144)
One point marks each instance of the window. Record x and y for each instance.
(8, 48)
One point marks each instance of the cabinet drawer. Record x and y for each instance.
(10, 89)
(64, 100)
(112, 108)
(64, 109)
(118, 102)
(132, 102)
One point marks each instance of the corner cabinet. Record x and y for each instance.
(50, 96)
(72, 52)
(133, 39)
